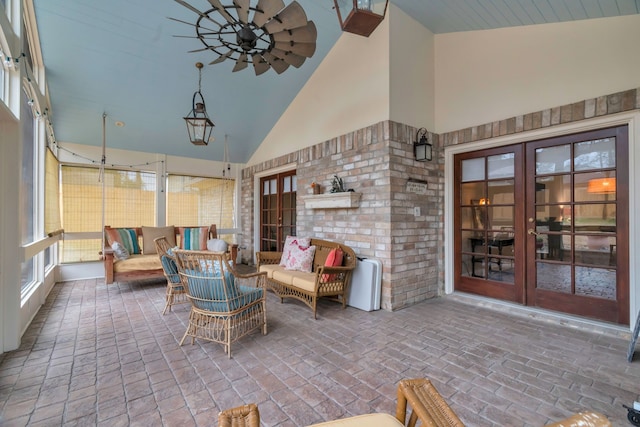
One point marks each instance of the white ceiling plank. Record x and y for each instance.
(506, 15)
(547, 10)
(532, 11)
(628, 7)
(592, 8)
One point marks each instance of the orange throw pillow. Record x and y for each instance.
(334, 259)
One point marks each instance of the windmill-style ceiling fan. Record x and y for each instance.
(267, 35)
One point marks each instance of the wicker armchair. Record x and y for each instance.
(242, 416)
(225, 305)
(175, 291)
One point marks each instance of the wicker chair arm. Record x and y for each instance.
(322, 269)
(252, 275)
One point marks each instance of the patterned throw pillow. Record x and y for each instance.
(293, 242)
(119, 251)
(194, 238)
(127, 237)
(301, 259)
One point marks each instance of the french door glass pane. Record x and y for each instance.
(595, 186)
(501, 166)
(597, 154)
(553, 189)
(553, 159)
(596, 282)
(473, 170)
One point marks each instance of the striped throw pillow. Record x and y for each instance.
(127, 237)
(194, 238)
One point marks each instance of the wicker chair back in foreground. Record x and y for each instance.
(242, 416)
(175, 291)
(225, 305)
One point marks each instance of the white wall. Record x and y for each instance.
(412, 94)
(349, 90)
(485, 76)
(10, 326)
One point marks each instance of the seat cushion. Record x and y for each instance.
(137, 263)
(270, 268)
(369, 420)
(299, 279)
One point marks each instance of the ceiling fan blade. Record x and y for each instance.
(242, 10)
(288, 57)
(188, 6)
(290, 17)
(306, 34)
(241, 63)
(183, 22)
(198, 50)
(259, 65)
(266, 9)
(222, 11)
(304, 49)
(277, 64)
(221, 58)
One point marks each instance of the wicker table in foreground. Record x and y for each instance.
(426, 403)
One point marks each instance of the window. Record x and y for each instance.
(51, 199)
(129, 201)
(27, 188)
(193, 200)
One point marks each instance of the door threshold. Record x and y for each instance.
(547, 316)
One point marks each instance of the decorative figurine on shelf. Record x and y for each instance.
(337, 185)
(316, 188)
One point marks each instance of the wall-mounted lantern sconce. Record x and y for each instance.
(361, 16)
(422, 150)
(199, 125)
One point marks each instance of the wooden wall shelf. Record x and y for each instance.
(348, 200)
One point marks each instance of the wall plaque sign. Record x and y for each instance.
(418, 187)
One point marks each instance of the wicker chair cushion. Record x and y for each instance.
(369, 420)
(270, 268)
(216, 295)
(170, 269)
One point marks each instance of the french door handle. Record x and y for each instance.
(532, 232)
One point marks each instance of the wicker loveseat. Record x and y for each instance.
(145, 264)
(323, 281)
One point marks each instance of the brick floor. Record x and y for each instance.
(105, 355)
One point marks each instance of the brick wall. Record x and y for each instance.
(377, 161)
